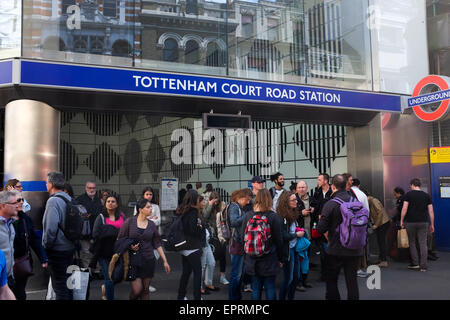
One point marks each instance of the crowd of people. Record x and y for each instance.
(265, 232)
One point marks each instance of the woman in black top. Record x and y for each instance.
(25, 235)
(105, 232)
(142, 259)
(195, 240)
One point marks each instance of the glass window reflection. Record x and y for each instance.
(323, 42)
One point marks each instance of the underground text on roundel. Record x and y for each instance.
(226, 309)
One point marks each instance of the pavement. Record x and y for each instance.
(397, 282)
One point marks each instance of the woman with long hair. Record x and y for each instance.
(288, 212)
(149, 194)
(142, 258)
(195, 237)
(265, 267)
(105, 231)
(207, 258)
(213, 207)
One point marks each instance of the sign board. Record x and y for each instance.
(444, 186)
(440, 155)
(62, 75)
(169, 194)
(425, 93)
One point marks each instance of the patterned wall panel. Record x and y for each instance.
(132, 119)
(133, 161)
(68, 160)
(155, 157)
(104, 162)
(129, 154)
(321, 143)
(103, 124)
(153, 121)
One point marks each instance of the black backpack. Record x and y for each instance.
(174, 239)
(76, 215)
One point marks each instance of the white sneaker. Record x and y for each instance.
(185, 298)
(152, 289)
(362, 274)
(224, 280)
(248, 288)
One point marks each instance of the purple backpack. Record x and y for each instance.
(353, 229)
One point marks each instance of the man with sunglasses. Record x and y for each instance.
(8, 210)
(15, 184)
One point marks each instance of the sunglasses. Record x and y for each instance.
(20, 200)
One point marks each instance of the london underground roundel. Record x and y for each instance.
(425, 94)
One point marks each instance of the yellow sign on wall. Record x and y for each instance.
(440, 155)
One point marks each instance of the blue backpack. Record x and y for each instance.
(353, 229)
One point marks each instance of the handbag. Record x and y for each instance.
(22, 265)
(402, 239)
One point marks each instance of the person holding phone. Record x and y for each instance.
(304, 221)
(149, 194)
(142, 258)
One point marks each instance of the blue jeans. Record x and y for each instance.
(237, 263)
(109, 285)
(269, 286)
(291, 272)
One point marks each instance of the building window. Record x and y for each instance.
(97, 45)
(273, 31)
(214, 57)
(80, 44)
(170, 51)
(65, 4)
(191, 7)
(110, 8)
(192, 54)
(247, 26)
(121, 48)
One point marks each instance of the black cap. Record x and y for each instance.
(257, 179)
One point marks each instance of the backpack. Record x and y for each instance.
(256, 236)
(76, 216)
(224, 226)
(175, 239)
(355, 218)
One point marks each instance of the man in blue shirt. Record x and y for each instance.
(5, 291)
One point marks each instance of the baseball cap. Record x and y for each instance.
(257, 179)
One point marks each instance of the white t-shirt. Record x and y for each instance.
(275, 198)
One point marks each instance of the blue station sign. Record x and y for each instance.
(59, 75)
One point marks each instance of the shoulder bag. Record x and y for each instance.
(22, 265)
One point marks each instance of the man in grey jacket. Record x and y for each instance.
(59, 249)
(8, 210)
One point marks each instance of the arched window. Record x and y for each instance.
(80, 44)
(97, 44)
(192, 53)
(121, 48)
(214, 57)
(170, 51)
(54, 43)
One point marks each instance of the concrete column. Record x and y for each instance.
(32, 134)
